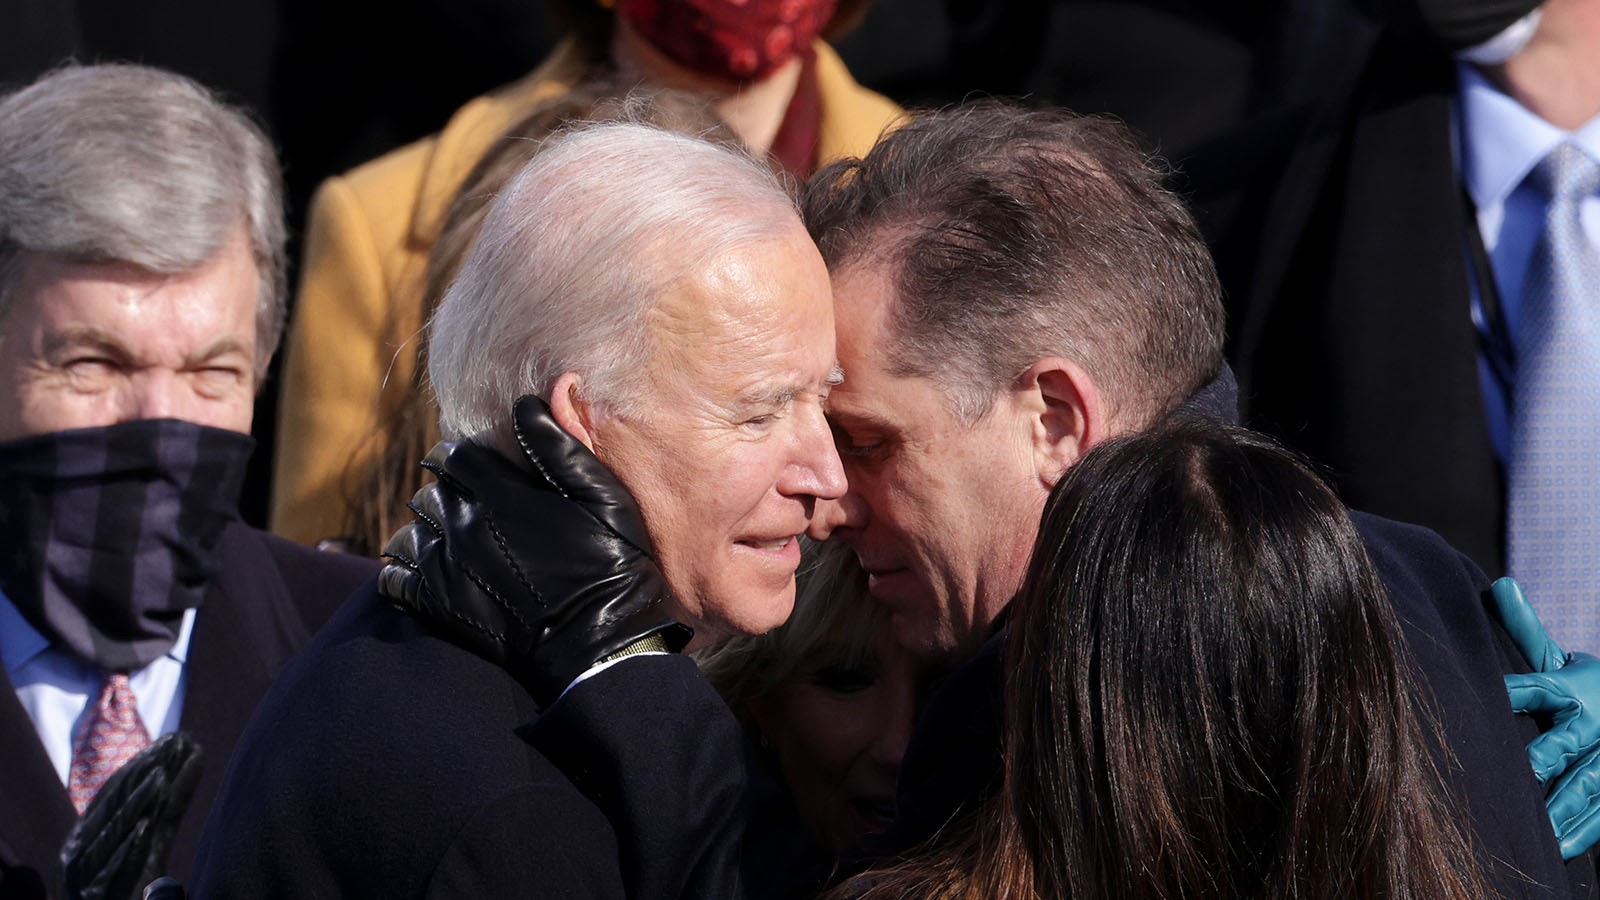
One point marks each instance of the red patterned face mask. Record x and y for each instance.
(735, 40)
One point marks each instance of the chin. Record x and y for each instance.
(747, 611)
(923, 638)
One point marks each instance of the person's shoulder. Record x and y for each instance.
(323, 563)
(322, 571)
(1440, 598)
(1412, 558)
(317, 580)
(383, 746)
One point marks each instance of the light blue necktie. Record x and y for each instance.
(1554, 510)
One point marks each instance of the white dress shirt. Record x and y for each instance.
(55, 687)
(1499, 142)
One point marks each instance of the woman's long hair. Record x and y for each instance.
(1206, 697)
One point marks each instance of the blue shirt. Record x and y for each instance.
(55, 687)
(1500, 142)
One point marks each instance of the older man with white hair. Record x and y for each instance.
(141, 298)
(637, 350)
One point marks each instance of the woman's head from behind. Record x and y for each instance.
(1206, 694)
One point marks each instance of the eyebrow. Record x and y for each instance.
(112, 344)
(222, 346)
(85, 336)
(782, 395)
(856, 419)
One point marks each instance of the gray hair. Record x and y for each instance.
(571, 259)
(1020, 234)
(127, 163)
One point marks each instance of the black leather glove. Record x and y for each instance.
(544, 569)
(120, 842)
(165, 889)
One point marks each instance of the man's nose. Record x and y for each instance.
(154, 394)
(816, 470)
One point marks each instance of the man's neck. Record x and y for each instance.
(753, 110)
(1557, 76)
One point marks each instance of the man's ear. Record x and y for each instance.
(571, 411)
(1071, 417)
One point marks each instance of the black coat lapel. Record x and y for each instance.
(37, 814)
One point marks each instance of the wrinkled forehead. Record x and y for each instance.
(762, 306)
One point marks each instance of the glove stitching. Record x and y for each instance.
(527, 451)
(483, 584)
(505, 552)
(444, 475)
(477, 579)
(422, 585)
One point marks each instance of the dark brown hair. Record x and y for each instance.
(1020, 234)
(1207, 696)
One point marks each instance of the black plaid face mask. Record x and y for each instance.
(107, 535)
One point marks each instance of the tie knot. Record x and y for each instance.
(1566, 175)
(116, 683)
(109, 734)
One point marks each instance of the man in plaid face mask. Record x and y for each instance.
(141, 298)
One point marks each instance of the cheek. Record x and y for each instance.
(234, 414)
(825, 732)
(43, 408)
(731, 495)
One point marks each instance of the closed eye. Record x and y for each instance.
(843, 679)
(761, 422)
(855, 448)
(90, 373)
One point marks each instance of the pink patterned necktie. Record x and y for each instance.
(109, 735)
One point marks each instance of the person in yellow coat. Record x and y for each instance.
(762, 65)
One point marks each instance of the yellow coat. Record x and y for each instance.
(359, 307)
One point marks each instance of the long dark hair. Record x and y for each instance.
(1206, 697)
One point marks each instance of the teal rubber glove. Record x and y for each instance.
(1566, 688)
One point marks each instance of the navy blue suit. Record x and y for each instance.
(268, 598)
(388, 762)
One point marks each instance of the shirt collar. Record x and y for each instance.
(21, 643)
(180, 647)
(1501, 141)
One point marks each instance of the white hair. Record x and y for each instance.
(127, 163)
(572, 257)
